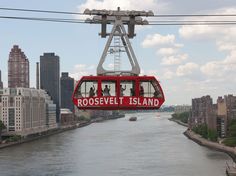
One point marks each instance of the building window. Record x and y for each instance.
(11, 113)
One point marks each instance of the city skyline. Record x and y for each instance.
(189, 61)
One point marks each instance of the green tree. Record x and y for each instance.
(183, 117)
(231, 139)
(202, 130)
(2, 126)
(232, 128)
(212, 135)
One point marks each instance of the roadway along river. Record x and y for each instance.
(151, 146)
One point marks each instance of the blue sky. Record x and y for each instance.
(189, 61)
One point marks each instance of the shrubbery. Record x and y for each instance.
(14, 138)
(83, 118)
(231, 140)
(205, 132)
(183, 117)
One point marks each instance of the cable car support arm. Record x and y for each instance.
(118, 19)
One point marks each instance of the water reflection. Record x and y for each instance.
(150, 146)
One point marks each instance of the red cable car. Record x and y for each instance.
(116, 89)
(118, 92)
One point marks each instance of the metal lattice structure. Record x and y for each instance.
(118, 19)
(117, 53)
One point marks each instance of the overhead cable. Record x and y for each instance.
(78, 13)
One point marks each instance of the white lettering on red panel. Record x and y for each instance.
(127, 101)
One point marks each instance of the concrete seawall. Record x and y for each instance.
(61, 129)
(40, 135)
(212, 145)
(178, 121)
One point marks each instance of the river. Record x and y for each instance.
(151, 146)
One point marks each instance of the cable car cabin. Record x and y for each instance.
(118, 93)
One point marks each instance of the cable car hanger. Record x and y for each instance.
(118, 18)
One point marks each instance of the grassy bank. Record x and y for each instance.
(180, 118)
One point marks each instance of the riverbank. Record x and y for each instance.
(231, 151)
(40, 135)
(58, 130)
(179, 122)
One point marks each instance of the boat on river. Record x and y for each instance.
(133, 118)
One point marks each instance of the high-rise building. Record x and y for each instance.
(231, 106)
(226, 111)
(222, 120)
(50, 78)
(67, 88)
(1, 93)
(203, 112)
(37, 75)
(1, 84)
(25, 111)
(18, 68)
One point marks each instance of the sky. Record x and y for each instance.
(189, 61)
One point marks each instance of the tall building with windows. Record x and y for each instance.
(1, 84)
(18, 68)
(226, 111)
(231, 106)
(222, 120)
(67, 88)
(25, 111)
(50, 78)
(1, 93)
(203, 112)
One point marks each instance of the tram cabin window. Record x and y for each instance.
(127, 88)
(157, 92)
(149, 89)
(88, 89)
(108, 88)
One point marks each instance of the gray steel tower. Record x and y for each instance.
(50, 78)
(18, 68)
(67, 88)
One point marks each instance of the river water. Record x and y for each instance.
(151, 146)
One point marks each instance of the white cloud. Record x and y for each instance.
(174, 60)
(187, 69)
(224, 37)
(167, 51)
(168, 74)
(207, 32)
(212, 69)
(199, 32)
(166, 47)
(82, 70)
(230, 60)
(158, 40)
(226, 46)
(221, 69)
